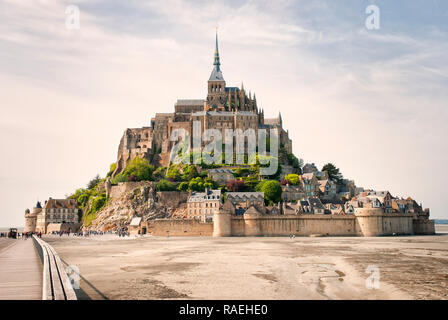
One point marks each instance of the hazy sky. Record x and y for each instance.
(373, 102)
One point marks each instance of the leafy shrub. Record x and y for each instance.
(294, 179)
(272, 190)
(190, 172)
(159, 173)
(196, 184)
(140, 168)
(98, 203)
(165, 185)
(173, 173)
(137, 169)
(183, 186)
(94, 182)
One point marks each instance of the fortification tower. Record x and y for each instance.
(369, 222)
(31, 218)
(222, 226)
(251, 218)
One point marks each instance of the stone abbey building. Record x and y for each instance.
(224, 108)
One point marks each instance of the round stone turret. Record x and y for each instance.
(222, 226)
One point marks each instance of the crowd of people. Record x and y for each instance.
(120, 233)
(20, 235)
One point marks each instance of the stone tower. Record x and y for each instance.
(217, 96)
(31, 218)
(222, 223)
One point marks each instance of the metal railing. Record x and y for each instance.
(56, 284)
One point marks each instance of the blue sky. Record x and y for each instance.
(371, 101)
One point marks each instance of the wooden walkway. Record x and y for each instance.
(20, 272)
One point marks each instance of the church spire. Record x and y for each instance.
(217, 64)
(216, 72)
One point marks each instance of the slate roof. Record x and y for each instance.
(244, 195)
(205, 196)
(315, 203)
(232, 89)
(219, 170)
(61, 204)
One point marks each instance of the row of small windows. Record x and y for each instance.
(206, 205)
(60, 217)
(230, 118)
(216, 88)
(199, 211)
(61, 210)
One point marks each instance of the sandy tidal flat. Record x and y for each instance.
(413, 267)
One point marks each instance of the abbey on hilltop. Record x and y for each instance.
(224, 108)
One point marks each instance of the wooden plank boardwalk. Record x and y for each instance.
(20, 272)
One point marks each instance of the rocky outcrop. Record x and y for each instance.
(141, 201)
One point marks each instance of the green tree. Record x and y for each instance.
(333, 173)
(190, 172)
(196, 184)
(165, 185)
(294, 161)
(98, 203)
(293, 178)
(140, 168)
(121, 177)
(241, 172)
(173, 173)
(272, 190)
(183, 186)
(94, 182)
(251, 182)
(159, 173)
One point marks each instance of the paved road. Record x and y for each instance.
(20, 272)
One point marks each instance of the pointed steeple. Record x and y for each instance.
(255, 107)
(217, 64)
(280, 118)
(216, 72)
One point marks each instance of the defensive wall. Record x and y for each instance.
(365, 222)
(180, 227)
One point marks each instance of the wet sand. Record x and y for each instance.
(412, 267)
